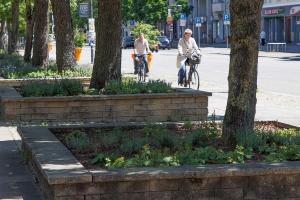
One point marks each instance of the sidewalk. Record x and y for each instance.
(290, 48)
(16, 180)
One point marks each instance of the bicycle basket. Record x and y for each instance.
(195, 59)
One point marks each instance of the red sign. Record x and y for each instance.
(295, 10)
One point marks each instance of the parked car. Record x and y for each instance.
(128, 41)
(164, 42)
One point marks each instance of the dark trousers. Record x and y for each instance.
(144, 61)
(263, 42)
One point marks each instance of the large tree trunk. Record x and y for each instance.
(14, 31)
(29, 31)
(65, 49)
(40, 45)
(2, 32)
(107, 65)
(242, 79)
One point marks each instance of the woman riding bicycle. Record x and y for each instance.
(186, 46)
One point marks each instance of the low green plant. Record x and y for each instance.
(154, 129)
(188, 125)
(132, 145)
(65, 87)
(14, 67)
(79, 39)
(112, 139)
(77, 140)
(250, 139)
(131, 86)
(285, 137)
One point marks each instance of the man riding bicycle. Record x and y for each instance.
(186, 46)
(141, 47)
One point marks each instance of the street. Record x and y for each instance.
(278, 94)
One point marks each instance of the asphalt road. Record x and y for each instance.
(278, 79)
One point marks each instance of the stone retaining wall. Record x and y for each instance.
(184, 105)
(62, 177)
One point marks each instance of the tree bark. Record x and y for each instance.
(29, 31)
(14, 31)
(107, 65)
(40, 55)
(242, 79)
(65, 49)
(2, 32)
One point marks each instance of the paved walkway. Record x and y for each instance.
(16, 180)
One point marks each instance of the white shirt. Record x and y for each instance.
(141, 46)
(263, 35)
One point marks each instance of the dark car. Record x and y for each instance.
(164, 42)
(128, 41)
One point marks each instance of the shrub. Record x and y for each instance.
(77, 140)
(250, 139)
(131, 86)
(150, 32)
(59, 88)
(13, 67)
(285, 137)
(79, 39)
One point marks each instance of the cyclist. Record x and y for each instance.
(141, 47)
(186, 46)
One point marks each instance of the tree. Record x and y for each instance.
(29, 30)
(108, 44)
(14, 28)
(65, 49)
(5, 12)
(149, 31)
(242, 79)
(40, 45)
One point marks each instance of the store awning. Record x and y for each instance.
(274, 5)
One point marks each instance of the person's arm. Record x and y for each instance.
(180, 51)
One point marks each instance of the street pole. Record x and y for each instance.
(91, 43)
(199, 35)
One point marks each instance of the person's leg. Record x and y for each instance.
(146, 63)
(135, 65)
(182, 73)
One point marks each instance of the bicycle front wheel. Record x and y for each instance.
(194, 82)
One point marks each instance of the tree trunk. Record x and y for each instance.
(65, 49)
(2, 32)
(14, 31)
(242, 79)
(29, 31)
(41, 25)
(107, 65)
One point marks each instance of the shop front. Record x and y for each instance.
(282, 23)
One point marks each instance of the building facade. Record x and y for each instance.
(281, 20)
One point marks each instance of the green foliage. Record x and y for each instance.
(250, 139)
(154, 129)
(79, 39)
(77, 140)
(131, 86)
(132, 145)
(150, 32)
(285, 137)
(13, 67)
(151, 11)
(64, 87)
(112, 139)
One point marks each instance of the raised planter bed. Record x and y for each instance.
(62, 177)
(18, 82)
(182, 105)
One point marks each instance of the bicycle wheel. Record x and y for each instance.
(141, 73)
(194, 80)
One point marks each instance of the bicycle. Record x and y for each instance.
(192, 79)
(141, 68)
